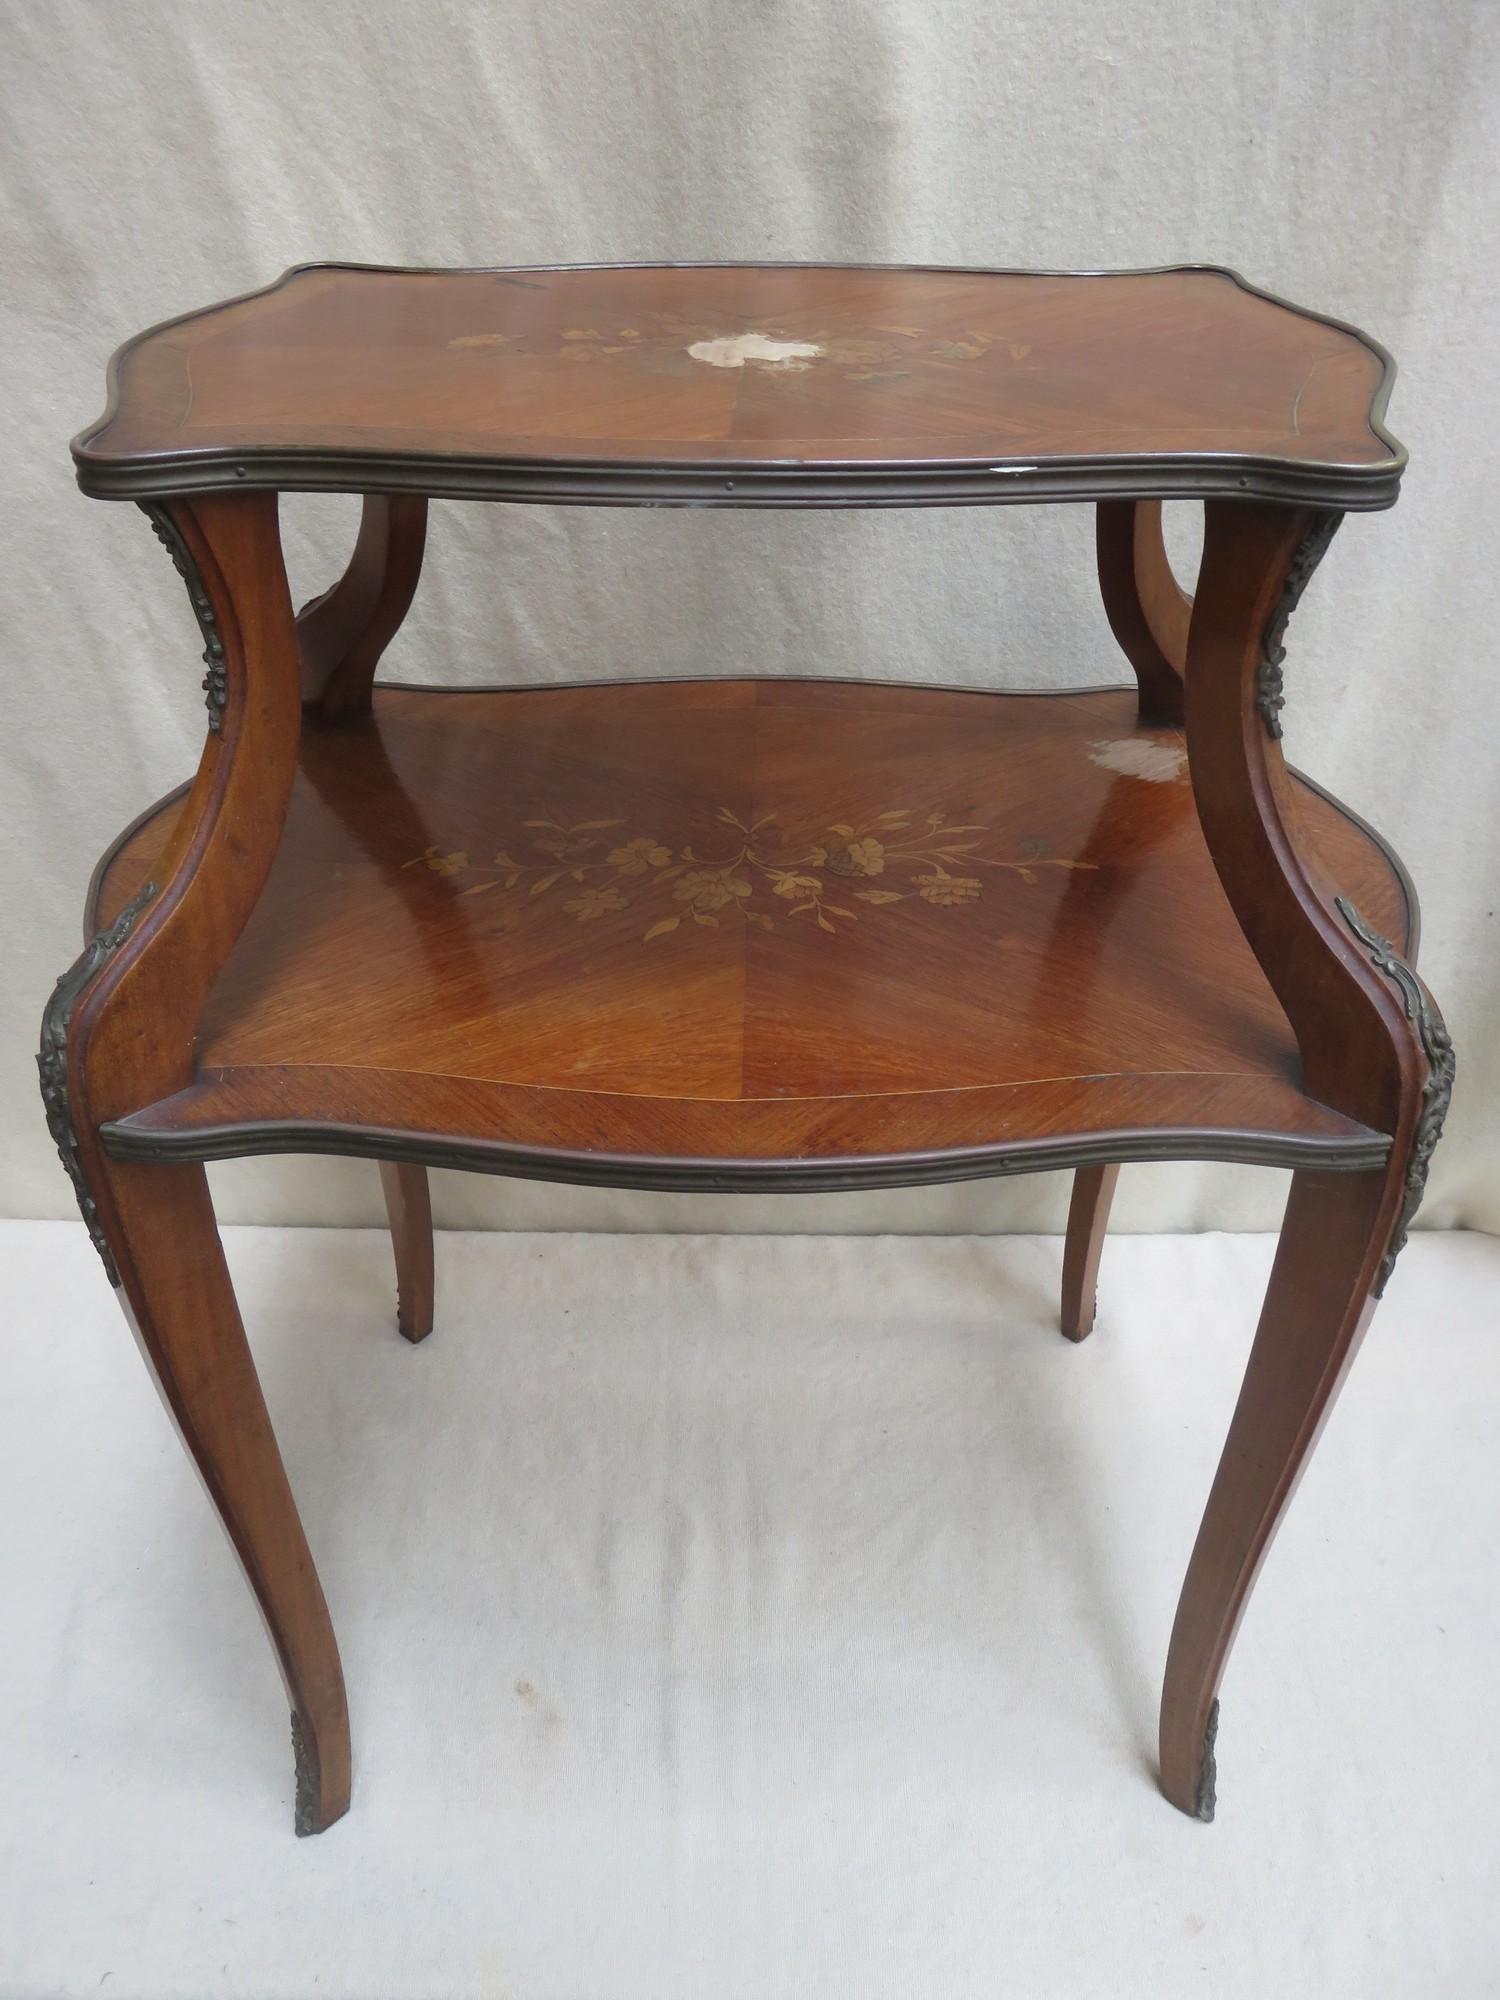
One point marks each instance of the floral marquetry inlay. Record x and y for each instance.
(668, 343)
(755, 874)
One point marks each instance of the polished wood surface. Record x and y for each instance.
(768, 922)
(368, 378)
(342, 634)
(1316, 1310)
(1149, 612)
(747, 934)
(1368, 1047)
(130, 1035)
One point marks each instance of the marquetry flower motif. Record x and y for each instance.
(859, 857)
(561, 842)
(946, 890)
(791, 884)
(440, 863)
(594, 903)
(668, 343)
(636, 856)
(756, 874)
(709, 888)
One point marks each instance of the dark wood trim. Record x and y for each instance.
(729, 483)
(133, 1139)
(732, 483)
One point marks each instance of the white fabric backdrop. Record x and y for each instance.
(160, 155)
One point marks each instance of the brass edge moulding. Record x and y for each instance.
(1351, 490)
(52, 1060)
(732, 484)
(1270, 695)
(127, 1140)
(1437, 1090)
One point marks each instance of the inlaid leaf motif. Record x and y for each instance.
(722, 879)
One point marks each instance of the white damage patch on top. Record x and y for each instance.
(733, 350)
(1157, 763)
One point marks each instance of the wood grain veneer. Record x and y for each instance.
(751, 384)
(537, 921)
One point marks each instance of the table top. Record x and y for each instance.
(751, 385)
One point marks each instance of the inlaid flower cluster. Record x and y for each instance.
(671, 344)
(598, 866)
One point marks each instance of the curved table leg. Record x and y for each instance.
(118, 1033)
(341, 637)
(408, 1203)
(1148, 610)
(1088, 1220)
(342, 634)
(177, 1297)
(1316, 1310)
(1372, 1045)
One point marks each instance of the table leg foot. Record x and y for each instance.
(408, 1203)
(1316, 1309)
(1088, 1220)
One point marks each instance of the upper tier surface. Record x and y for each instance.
(751, 385)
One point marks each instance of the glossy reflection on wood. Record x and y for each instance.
(1314, 1316)
(131, 1033)
(782, 929)
(742, 934)
(342, 634)
(556, 382)
(1148, 610)
(1361, 1050)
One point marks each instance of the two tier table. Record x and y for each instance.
(746, 934)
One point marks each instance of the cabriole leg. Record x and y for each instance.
(1372, 1046)
(342, 634)
(408, 1203)
(1148, 610)
(1088, 1220)
(1316, 1310)
(176, 1293)
(118, 1033)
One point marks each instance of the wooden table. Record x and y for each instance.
(746, 934)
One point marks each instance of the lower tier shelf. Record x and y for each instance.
(768, 934)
